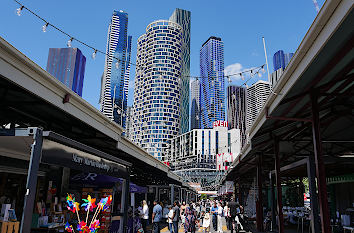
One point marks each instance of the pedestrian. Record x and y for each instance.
(145, 215)
(170, 219)
(227, 216)
(214, 212)
(235, 210)
(156, 217)
(206, 221)
(189, 225)
(220, 215)
(176, 215)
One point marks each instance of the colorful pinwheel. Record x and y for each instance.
(108, 203)
(82, 227)
(90, 203)
(94, 226)
(68, 227)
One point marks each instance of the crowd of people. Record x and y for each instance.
(203, 215)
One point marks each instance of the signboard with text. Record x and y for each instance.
(220, 124)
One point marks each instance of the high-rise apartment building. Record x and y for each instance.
(236, 109)
(257, 95)
(183, 18)
(129, 122)
(195, 101)
(114, 87)
(281, 59)
(212, 83)
(157, 92)
(68, 66)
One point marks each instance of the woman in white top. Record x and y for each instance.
(145, 215)
(220, 213)
(170, 219)
(206, 222)
(227, 216)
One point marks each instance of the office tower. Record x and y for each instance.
(129, 122)
(281, 59)
(195, 100)
(114, 89)
(257, 95)
(212, 86)
(157, 92)
(236, 110)
(68, 66)
(183, 18)
(287, 58)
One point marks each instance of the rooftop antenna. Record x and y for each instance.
(316, 5)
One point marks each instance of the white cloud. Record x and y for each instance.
(233, 69)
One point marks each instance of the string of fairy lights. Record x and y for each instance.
(245, 75)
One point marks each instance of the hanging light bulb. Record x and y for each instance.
(229, 79)
(117, 65)
(233, 96)
(69, 42)
(94, 54)
(263, 69)
(44, 27)
(18, 10)
(259, 74)
(243, 78)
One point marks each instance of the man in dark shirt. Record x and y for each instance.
(234, 210)
(175, 218)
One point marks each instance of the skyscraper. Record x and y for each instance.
(183, 18)
(114, 89)
(195, 109)
(129, 122)
(281, 59)
(157, 92)
(68, 66)
(236, 110)
(257, 95)
(212, 86)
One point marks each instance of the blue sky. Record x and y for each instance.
(240, 24)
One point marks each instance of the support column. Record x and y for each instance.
(124, 204)
(278, 183)
(31, 185)
(239, 192)
(259, 214)
(311, 170)
(172, 194)
(272, 201)
(320, 169)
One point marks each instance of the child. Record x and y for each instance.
(206, 221)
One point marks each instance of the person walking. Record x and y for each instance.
(189, 225)
(170, 219)
(214, 212)
(235, 210)
(220, 214)
(206, 221)
(156, 217)
(176, 215)
(183, 208)
(227, 216)
(145, 215)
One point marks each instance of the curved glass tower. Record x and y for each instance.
(157, 91)
(114, 89)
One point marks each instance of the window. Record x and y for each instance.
(217, 141)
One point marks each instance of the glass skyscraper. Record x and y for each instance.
(157, 91)
(195, 109)
(114, 87)
(236, 110)
(68, 66)
(281, 59)
(212, 84)
(183, 18)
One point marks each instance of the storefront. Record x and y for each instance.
(38, 170)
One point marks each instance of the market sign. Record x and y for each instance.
(59, 154)
(220, 124)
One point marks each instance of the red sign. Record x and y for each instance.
(220, 124)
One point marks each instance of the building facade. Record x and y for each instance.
(183, 18)
(68, 66)
(257, 95)
(115, 79)
(157, 91)
(195, 102)
(236, 110)
(212, 83)
(275, 76)
(129, 122)
(281, 59)
(209, 149)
